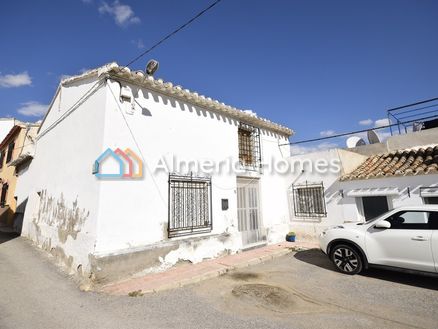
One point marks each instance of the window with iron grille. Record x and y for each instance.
(189, 205)
(309, 200)
(249, 147)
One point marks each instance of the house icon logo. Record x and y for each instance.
(126, 164)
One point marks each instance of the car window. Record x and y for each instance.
(411, 220)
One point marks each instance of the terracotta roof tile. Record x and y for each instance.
(400, 163)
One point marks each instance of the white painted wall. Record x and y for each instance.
(340, 207)
(6, 125)
(135, 213)
(401, 183)
(61, 170)
(130, 214)
(307, 228)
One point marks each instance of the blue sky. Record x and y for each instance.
(319, 67)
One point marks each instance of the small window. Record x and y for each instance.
(413, 220)
(374, 206)
(2, 158)
(4, 195)
(189, 205)
(429, 194)
(10, 151)
(249, 147)
(431, 200)
(309, 200)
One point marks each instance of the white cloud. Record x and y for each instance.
(299, 149)
(382, 122)
(366, 122)
(15, 80)
(122, 14)
(138, 43)
(33, 109)
(327, 133)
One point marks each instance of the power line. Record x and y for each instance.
(87, 93)
(138, 147)
(355, 132)
(171, 34)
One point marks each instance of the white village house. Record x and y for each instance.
(371, 179)
(113, 226)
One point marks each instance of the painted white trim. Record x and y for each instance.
(374, 191)
(431, 191)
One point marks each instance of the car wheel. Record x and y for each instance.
(346, 259)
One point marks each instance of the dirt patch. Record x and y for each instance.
(244, 276)
(267, 296)
(136, 293)
(273, 298)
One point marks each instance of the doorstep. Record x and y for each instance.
(182, 275)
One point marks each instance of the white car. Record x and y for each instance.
(406, 237)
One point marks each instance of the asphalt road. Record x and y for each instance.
(300, 290)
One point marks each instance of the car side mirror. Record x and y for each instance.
(383, 224)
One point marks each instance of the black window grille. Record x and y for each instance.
(249, 147)
(189, 205)
(309, 200)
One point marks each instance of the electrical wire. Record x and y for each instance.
(138, 147)
(171, 34)
(356, 131)
(87, 93)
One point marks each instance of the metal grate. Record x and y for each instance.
(309, 200)
(249, 147)
(189, 205)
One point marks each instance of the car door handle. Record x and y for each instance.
(419, 238)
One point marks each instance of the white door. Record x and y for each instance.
(248, 212)
(407, 244)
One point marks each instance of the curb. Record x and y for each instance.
(216, 273)
(217, 268)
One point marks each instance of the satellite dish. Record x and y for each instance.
(373, 138)
(355, 141)
(152, 67)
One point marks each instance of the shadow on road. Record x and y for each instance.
(6, 236)
(318, 258)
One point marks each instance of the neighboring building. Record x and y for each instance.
(390, 180)
(106, 120)
(15, 151)
(6, 125)
(366, 185)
